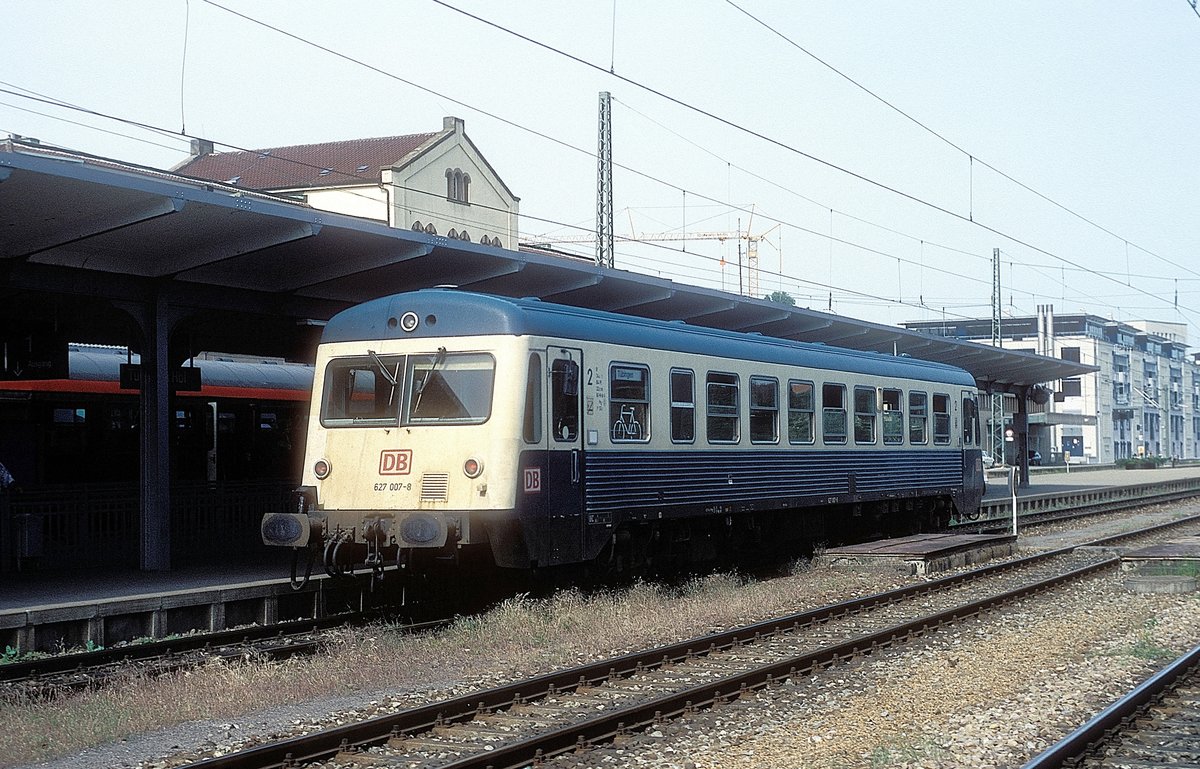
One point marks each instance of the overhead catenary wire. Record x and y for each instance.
(795, 150)
(572, 147)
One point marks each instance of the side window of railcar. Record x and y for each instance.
(893, 417)
(833, 413)
(800, 412)
(764, 409)
(628, 403)
(532, 430)
(941, 418)
(564, 399)
(723, 407)
(683, 406)
(864, 414)
(451, 388)
(918, 417)
(970, 413)
(361, 391)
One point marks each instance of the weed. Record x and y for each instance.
(1146, 648)
(884, 755)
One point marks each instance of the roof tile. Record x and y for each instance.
(329, 164)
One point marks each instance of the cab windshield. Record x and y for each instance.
(390, 390)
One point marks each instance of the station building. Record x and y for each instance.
(437, 182)
(1144, 399)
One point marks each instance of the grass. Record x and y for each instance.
(521, 636)
(895, 755)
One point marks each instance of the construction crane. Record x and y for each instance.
(751, 287)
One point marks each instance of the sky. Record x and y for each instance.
(877, 153)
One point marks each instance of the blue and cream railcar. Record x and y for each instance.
(445, 421)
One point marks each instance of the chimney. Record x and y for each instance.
(201, 147)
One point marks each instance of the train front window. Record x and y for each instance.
(362, 391)
(449, 388)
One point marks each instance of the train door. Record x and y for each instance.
(973, 478)
(564, 481)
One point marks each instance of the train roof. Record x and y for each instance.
(452, 313)
(103, 364)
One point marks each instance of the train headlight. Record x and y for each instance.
(472, 468)
(322, 468)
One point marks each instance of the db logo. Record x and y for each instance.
(395, 462)
(533, 480)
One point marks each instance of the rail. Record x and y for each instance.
(1076, 745)
(1066, 500)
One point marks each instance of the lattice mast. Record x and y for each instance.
(604, 188)
(997, 425)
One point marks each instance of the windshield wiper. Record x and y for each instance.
(437, 361)
(391, 377)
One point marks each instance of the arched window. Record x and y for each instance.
(430, 229)
(418, 227)
(457, 185)
(453, 233)
(464, 235)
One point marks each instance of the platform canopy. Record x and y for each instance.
(83, 238)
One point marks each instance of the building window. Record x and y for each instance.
(458, 185)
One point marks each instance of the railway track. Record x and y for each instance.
(577, 709)
(52, 675)
(48, 676)
(1156, 724)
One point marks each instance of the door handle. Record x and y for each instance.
(575, 466)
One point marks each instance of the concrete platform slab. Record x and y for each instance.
(1177, 558)
(920, 554)
(1161, 583)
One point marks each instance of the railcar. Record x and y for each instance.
(244, 423)
(445, 423)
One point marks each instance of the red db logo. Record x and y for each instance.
(395, 462)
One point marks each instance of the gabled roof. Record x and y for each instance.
(329, 164)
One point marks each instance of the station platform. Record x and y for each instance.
(75, 610)
(1064, 479)
(71, 608)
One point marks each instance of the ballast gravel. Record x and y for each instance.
(988, 694)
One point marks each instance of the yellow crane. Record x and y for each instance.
(751, 287)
